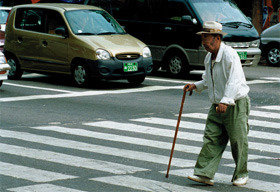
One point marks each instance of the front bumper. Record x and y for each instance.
(4, 70)
(253, 56)
(113, 68)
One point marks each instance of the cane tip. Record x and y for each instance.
(166, 176)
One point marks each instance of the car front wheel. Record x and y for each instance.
(81, 75)
(273, 55)
(15, 72)
(136, 80)
(177, 65)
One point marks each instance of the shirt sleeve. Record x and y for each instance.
(235, 80)
(201, 85)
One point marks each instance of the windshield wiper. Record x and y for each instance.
(86, 34)
(107, 33)
(237, 24)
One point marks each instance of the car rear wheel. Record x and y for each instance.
(15, 72)
(81, 75)
(136, 80)
(273, 55)
(1, 83)
(177, 65)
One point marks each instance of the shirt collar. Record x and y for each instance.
(220, 52)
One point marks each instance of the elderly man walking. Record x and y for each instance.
(228, 116)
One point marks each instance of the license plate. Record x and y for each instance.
(242, 55)
(130, 67)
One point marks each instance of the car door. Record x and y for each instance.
(54, 47)
(28, 24)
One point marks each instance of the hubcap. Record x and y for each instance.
(80, 74)
(13, 66)
(175, 65)
(274, 55)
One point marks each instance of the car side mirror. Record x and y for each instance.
(61, 31)
(188, 18)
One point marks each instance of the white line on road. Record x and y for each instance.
(89, 93)
(169, 133)
(31, 174)
(69, 160)
(43, 188)
(40, 88)
(144, 184)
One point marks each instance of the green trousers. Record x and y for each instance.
(220, 128)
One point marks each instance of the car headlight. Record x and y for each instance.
(146, 52)
(2, 59)
(102, 54)
(255, 43)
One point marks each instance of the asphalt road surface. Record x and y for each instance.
(114, 137)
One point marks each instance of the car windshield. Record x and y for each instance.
(92, 22)
(3, 16)
(223, 11)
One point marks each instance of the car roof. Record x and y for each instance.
(61, 6)
(5, 8)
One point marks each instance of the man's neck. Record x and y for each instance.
(215, 52)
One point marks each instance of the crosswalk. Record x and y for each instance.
(131, 155)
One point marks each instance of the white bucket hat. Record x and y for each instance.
(212, 27)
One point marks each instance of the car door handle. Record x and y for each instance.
(168, 28)
(44, 43)
(19, 40)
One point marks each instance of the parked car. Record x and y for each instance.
(4, 68)
(169, 28)
(270, 44)
(4, 12)
(78, 40)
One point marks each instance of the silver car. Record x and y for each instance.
(4, 67)
(270, 44)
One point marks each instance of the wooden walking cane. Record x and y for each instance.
(176, 131)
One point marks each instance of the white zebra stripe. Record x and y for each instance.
(223, 178)
(130, 154)
(144, 184)
(271, 107)
(200, 126)
(134, 140)
(263, 168)
(70, 160)
(267, 124)
(270, 115)
(169, 133)
(31, 174)
(43, 188)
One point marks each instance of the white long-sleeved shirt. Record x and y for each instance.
(228, 83)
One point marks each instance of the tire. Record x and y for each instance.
(80, 75)
(272, 55)
(15, 72)
(177, 65)
(136, 80)
(1, 83)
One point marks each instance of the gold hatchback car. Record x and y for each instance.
(79, 40)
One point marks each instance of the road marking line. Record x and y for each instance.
(262, 168)
(271, 107)
(112, 151)
(134, 140)
(201, 126)
(89, 93)
(170, 133)
(31, 174)
(40, 88)
(254, 122)
(265, 114)
(224, 178)
(69, 160)
(138, 183)
(43, 188)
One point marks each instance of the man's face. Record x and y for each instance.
(210, 42)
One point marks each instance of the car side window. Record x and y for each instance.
(53, 21)
(176, 10)
(30, 19)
